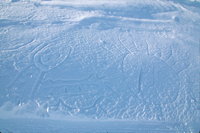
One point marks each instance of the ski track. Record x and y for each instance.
(131, 60)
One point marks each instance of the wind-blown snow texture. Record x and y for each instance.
(101, 60)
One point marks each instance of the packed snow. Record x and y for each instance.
(103, 66)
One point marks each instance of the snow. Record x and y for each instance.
(99, 66)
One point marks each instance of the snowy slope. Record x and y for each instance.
(101, 60)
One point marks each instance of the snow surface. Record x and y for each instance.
(99, 66)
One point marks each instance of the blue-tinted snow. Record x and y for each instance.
(131, 62)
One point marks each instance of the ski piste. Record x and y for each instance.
(99, 66)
